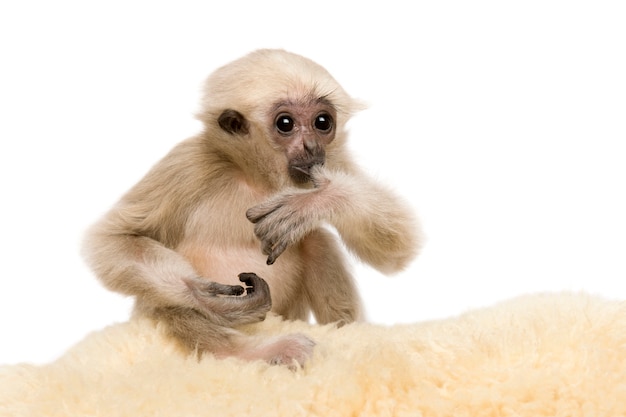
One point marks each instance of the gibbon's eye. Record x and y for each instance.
(284, 123)
(323, 122)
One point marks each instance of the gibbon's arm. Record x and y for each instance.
(374, 223)
(131, 249)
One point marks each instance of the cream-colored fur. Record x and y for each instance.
(540, 355)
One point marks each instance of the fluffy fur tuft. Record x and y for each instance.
(542, 355)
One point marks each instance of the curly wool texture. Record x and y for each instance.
(538, 355)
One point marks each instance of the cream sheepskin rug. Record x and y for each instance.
(541, 355)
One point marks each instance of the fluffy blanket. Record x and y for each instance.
(540, 355)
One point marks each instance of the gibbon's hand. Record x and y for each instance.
(284, 219)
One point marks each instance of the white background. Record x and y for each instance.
(503, 123)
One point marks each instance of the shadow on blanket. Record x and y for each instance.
(539, 355)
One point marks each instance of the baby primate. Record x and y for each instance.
(238, 212)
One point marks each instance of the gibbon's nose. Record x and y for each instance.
(311, 145)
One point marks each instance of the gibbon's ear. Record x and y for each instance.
(233, 122)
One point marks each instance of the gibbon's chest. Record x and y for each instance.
(220, 243)
(220, 218)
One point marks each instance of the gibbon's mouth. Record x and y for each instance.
(300, 172)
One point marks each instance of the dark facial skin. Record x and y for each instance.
(302, 130)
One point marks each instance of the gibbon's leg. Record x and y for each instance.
(329, 286)
(299, 305)
(195, 332)
(292, 350)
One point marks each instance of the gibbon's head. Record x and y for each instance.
(288, 99)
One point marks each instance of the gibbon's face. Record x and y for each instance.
(303, 129)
